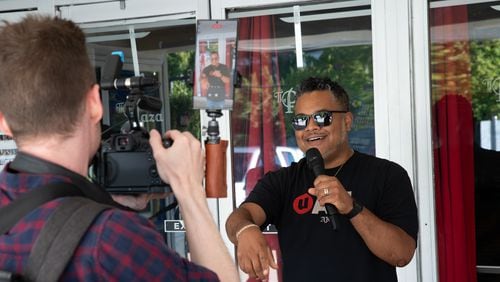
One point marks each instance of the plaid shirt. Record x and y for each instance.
(119, 246)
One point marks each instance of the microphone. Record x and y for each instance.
(111, 70)
(135, 82)
(316, 163)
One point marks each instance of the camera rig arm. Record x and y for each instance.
(135, 102)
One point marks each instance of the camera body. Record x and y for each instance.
(124, 163)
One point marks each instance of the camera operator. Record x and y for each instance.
(50, 105)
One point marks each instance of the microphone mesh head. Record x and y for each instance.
(315, 161)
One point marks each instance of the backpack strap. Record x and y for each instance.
(24, 204)
(59, 238)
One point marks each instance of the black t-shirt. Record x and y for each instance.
(311, 249)
(215, 81)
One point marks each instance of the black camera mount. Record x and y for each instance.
(136, 101)
(213, 132)
(135, 85)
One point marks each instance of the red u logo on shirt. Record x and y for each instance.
(303, 203)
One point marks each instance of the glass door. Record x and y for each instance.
(334, 40)
(163, 50)
(465, 67)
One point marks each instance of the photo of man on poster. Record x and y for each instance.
(215, 64)
(215, 82)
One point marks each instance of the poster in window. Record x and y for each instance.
(215, 64)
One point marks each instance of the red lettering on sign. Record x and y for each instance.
(303, 203)
(216, 26)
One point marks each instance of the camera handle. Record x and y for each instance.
(215, 173)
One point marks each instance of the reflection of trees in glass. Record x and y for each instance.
(471, 69)
(485, 56)
(351, 66)
(182, 115)
(244, 108)
(450, 63)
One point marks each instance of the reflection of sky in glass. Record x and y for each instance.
(490, 134)
(315, 54)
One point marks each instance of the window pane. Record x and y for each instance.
(172, 69)
(466, 104)
(336, 43)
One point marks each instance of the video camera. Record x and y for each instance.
(124, 163)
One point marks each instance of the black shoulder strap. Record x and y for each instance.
(24, 204)
(60, 237)
(24, 162)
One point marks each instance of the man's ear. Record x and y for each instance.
(94, 104)
(4, 126)
(348, 120)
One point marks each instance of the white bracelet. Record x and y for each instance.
(245, 228)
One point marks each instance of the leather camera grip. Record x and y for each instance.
(215, 178)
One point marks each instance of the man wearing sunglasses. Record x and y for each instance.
(376, 222)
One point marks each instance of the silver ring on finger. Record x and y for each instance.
(326, 191)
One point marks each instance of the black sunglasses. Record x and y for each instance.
(321, 118)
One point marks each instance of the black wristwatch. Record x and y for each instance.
(356, 208)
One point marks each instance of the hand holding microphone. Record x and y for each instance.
(316, 163)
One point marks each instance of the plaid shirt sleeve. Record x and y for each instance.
(124, 246)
